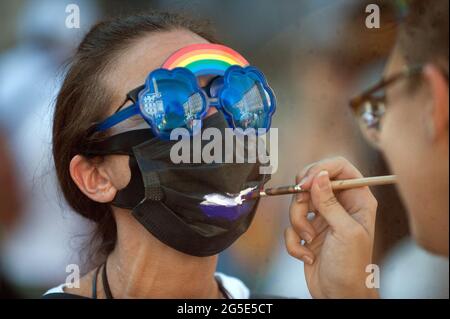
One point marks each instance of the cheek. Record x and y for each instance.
(396, 140)
(400, 144)
(119, 170)
(401, 138)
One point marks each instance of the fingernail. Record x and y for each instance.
(307, 260)
(307, 237)
(323, 180)
(303, 181)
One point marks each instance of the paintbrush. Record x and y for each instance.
(335, 185)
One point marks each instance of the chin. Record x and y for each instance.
(427, 228)
(428, 241)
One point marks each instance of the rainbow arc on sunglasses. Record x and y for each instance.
(205, 59)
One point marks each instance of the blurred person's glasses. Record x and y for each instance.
(370, 106)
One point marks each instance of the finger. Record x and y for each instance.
(295, 249)
(358, 199)
(298, 215)
(299, 181)
(320, 225)
(299, 177)
(328, 206)
(354, 200)
(318, 222)
(337, 167)
(302, 196)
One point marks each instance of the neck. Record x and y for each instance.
(143, 267)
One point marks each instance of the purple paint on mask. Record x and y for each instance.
(227, 212)
(228, 206)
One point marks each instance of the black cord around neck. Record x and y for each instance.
(94, 283)
(105, 283)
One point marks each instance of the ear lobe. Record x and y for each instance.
(91, 180)
(437, 117)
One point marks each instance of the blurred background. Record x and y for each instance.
(315, 53)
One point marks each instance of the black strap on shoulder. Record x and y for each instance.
(62, 295)
(94, 283)
(106, 283)
(222, 289)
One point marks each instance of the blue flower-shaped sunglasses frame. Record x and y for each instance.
(173, 99)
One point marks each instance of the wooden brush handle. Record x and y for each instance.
(335, 185)
(362, 182)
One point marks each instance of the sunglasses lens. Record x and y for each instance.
(370, 117)
(247, 102)
(171, 102)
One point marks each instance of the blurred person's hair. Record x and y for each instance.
(424, 34)
(84, 99)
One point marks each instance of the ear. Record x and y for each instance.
(92, 179)
(437, 109)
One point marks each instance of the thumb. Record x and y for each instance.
(327, 204)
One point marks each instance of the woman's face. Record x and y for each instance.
(414, 145)
(101, 180)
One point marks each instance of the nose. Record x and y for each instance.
(211, 111)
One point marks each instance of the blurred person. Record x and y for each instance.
(153, 237)
(406, 117)
(10, 206)
(347, 56)
(35, 252)
(10, 195)
(334, 56)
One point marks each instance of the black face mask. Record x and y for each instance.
(166, 198)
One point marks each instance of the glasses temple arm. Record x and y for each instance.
(118, 117)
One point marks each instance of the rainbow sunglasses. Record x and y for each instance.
(172, 98)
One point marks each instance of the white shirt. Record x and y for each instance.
(234, 286)
(410, 272)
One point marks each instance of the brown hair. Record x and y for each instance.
(84, 100)
(424, 34)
